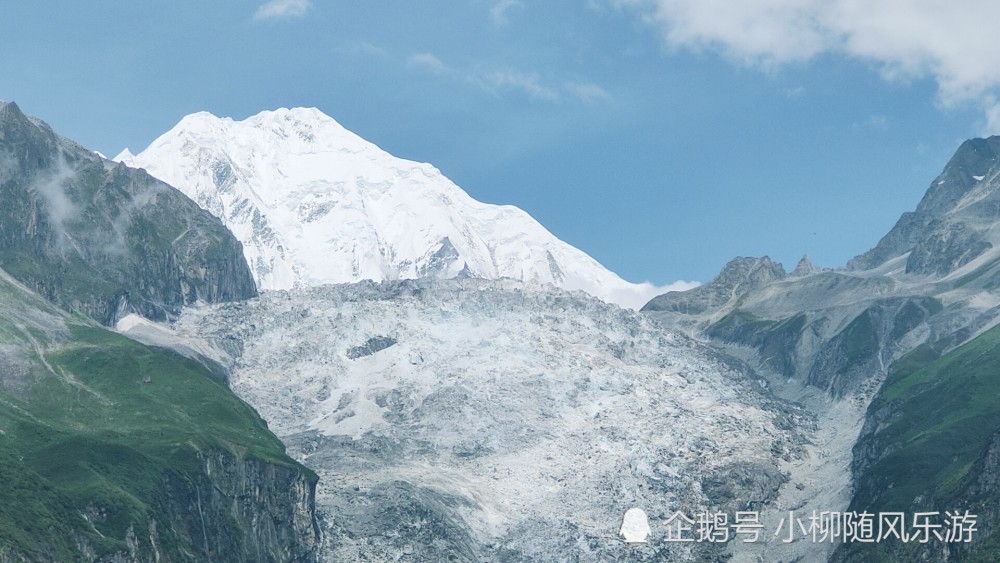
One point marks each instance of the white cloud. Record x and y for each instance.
(278, 9)
(639, 294)
(951, 41)
(992, 109)
(499, 11)
(427, 61)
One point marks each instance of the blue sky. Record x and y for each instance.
(663, 137)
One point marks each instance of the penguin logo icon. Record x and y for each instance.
(635, 526)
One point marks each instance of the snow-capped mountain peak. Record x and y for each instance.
(314, 203)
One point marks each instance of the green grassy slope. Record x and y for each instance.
(932, 440)
(96, 431)
(111, 450)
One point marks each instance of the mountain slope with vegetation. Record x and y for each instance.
(111, 450)
(931, 443)
(907, 334)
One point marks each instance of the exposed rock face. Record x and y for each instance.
(240, 511)
(868, 343)
(116, 452)
(829, 348)
(738, 277)
(247, 511)
(905, 313)
(946, 249)
(838, 330)
(804, 268)
(103, 239)
(111, 451)
(950, 226)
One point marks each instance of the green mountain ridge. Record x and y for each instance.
(931, 443)
(111, 450)
(109, 447)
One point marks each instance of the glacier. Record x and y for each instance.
(494, 420)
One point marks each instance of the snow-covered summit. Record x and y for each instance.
(313, 203)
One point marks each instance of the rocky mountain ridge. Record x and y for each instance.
(953, 223)
(924, 292)
(100, 238)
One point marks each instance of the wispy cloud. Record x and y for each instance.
(511, 81)
(427, 61)
(992, 110)
(537, 88)
(525, 83)
(794, 93)
(366, 48)
(499, 11)
(952, 42)
(282, 9)
(874, 122)
(588, 93)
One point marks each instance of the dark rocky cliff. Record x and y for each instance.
(247, 510)
(241, 511)
(103, 239)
